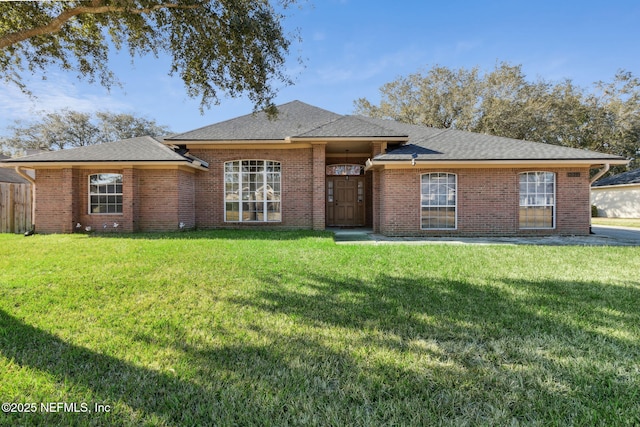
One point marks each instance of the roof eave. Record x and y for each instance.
(286, 140)
(348, 138)
(53, 164)
(609, 186)
(495, 163)
(222, 141)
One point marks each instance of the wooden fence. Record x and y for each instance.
(15, 208)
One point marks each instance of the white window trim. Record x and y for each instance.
(455, 206)
(265, 201)
(554, 205)
(89, 194)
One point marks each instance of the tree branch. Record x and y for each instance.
(59, 21)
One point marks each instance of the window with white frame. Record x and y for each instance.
(438, 201)
(252, 191)
(537, 199)
(105, 193)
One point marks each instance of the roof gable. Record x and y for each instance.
(294, 118)
(352, 127)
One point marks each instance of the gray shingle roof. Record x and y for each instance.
(351, 127)
(630, 177)
(294, 118)
(299, 120)
(448, 144)
(142, 149)
(7, 175)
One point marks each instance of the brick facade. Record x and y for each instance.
(297, 187)
(162, 199)
(487, 202)
(152, 200)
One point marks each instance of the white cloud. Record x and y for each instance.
(51, 94)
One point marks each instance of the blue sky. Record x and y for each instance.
(352, 47)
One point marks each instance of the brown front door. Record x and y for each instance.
(345, 201)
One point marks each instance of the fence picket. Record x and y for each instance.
(15, 208)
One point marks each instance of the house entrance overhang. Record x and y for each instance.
(359, 145)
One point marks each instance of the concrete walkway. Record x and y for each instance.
(603, 236)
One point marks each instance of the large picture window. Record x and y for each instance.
(105, 193)
(537, 199)
(438, 201)
(252, 191)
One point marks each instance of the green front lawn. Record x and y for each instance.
(246, 328)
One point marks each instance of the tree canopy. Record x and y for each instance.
(67, 129)
(503, 102)
(233, 46)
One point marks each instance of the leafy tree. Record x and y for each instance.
(235, 46)
(503, 102)
(66, 129)
(614, 119)
(440, 98)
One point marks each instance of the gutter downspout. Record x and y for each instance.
(26, 176)
(597, 176)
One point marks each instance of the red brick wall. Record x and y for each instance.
(53, 207)
(574, 202)
(186, 199)
(158, 199)
(488, 202)
(296, 185)
(151, 201)
(319, 173)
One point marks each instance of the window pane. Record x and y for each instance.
(537, 199)
(257, 184)
(105, 193)
(232, 212)
(438, 200)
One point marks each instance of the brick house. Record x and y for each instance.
(311, 168)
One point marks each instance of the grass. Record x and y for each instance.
(259, 328)
(622, 222)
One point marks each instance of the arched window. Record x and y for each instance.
(252, 191)
(105, 193)
(537, 199)
(438, 201)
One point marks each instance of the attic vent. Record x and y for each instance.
(573, 174)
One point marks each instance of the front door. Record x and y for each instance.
(345, 201)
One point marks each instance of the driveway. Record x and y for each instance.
(619, 234)
(602, 236)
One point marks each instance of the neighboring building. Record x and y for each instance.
(9, 175)
(618, 196)
(311, 168)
